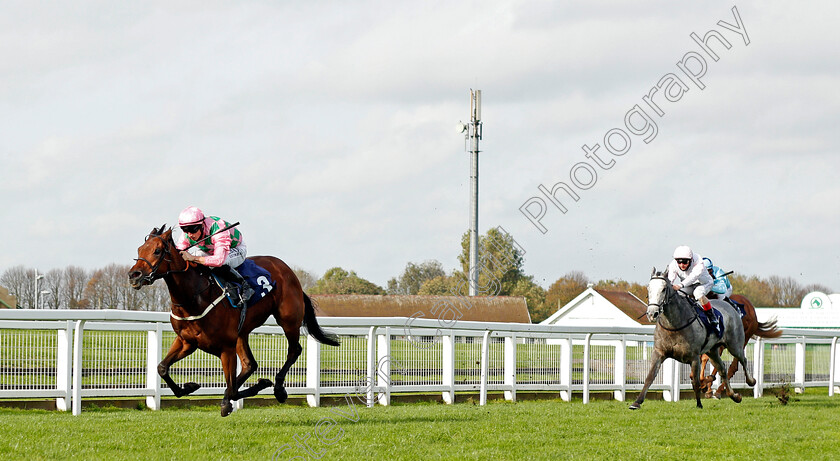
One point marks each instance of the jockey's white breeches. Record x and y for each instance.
(698, 290)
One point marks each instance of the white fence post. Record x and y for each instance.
(799, 367)
(832, 369)
(675, 397)
(758, 367)
(510, 367)
(620, 372)
(448, 366)
(485, 367)
(586, 343)
(78, 338)
(371, 366)
(154, 353)
(667, 373)
(383, 365)
(566, 348)
(313, 371)
(64, 367)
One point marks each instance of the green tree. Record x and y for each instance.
(341, 282)
(414, 276)
(565, 289)
(500, 262)
(534, 297)
(441, 286)
(755, 289)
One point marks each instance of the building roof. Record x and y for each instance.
(597, 307)
(7, 301)
(628, 303)
(474, 308)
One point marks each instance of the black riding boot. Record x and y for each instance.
(710, 314)
(231, 275)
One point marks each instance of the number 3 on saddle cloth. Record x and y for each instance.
(259, 279)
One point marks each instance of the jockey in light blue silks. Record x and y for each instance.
(721, 285)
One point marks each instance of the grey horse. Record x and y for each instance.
(680, 335)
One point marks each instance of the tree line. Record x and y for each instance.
(501, 273)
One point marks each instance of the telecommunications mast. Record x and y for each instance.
(473, 133)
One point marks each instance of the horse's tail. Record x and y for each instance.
(768, 329)
(312, 326)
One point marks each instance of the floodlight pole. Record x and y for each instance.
(474, 134)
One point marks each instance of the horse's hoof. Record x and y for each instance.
(189, 388)
(751, 382)
(736, 397)
(264, 383)
(227, 408)
(280, 394)
(699, 405)
(635, 406)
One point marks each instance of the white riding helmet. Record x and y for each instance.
(683, 252)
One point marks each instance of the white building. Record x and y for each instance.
(596, 307)
(601, 308)
(818, 310)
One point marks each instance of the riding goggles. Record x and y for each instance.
(191, 228)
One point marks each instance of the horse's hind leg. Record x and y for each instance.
(733, 368)
(738, 353)
(716, 360)
(177, 351)
(656, 362)
(295, 349)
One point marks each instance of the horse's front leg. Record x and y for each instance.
(656, 362)
(695, 379)
(249, 366)
(714, 356)
(228, 357)
(177, 351)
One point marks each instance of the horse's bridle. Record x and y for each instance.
(152, 276)
(668, 297)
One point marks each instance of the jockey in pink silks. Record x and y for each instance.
(223, 252)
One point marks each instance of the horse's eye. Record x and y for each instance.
(157, 251)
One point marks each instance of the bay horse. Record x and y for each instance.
(752, 327)
(203, 318)
(680, 335)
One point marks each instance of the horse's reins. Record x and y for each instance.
(152, 276)
(661, 307)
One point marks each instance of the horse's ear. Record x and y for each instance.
(653, 272)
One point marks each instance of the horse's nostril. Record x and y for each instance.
(134, 275)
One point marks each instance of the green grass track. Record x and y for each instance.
(808, 427)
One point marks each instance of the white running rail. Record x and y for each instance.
(69, 355)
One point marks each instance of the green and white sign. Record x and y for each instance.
(816, 300)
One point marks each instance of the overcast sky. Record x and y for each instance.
(329, 131)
